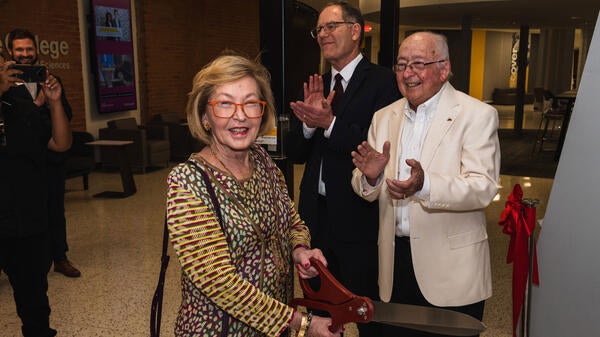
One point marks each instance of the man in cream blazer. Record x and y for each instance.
(451, 164)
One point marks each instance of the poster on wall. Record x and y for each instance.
(113, 55)
(514, 56)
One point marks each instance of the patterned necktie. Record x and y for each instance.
(339, 92)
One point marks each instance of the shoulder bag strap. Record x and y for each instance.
(157, 299)
(211, 191)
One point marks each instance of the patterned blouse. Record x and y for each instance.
(236, 276)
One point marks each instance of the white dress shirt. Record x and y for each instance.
(414, 130)
(32, 87)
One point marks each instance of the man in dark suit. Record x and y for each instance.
(324, 130)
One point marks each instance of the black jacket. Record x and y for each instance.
(350, 217)
(23, 209)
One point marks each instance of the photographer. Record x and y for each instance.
(22, 49)
(35, 122)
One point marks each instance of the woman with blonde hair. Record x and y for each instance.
(230, 218)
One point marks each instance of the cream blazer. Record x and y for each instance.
(449, 242)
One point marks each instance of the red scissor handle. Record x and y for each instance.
(333, 297)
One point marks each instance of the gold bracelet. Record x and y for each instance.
(303, 325)
(308, 321)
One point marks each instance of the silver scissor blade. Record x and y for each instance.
(435, 320)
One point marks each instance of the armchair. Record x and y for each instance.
(150, 144)
(182, 144)
(544, 100)
(80, 159)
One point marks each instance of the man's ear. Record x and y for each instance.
(356, 31)
(445, 72)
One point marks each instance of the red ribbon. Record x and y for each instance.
(519, 223)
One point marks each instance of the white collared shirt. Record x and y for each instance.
(414, 130)
(31, 87)
(346, 73)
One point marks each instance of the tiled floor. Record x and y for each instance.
(117, 246)
(506, 116)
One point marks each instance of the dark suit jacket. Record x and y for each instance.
(350, 217)
(23, 165)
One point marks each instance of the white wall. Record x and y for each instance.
(566, 303)
(498, 46)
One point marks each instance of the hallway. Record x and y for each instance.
(116, 243)
(506, 116)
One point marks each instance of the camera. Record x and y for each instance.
(31, 73)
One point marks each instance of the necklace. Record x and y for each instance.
(241, 185)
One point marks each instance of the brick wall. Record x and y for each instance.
(175, 39)
(179, 37)
(53, 22)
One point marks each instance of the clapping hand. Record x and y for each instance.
(315, 110)
(370, 162)
(400, 189)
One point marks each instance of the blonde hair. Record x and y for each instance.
(222, 70)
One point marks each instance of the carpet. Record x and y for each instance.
(518, 159)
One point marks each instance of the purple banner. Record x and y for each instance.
(115, 76)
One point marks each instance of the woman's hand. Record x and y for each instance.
(319, 327)
(301, 256)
